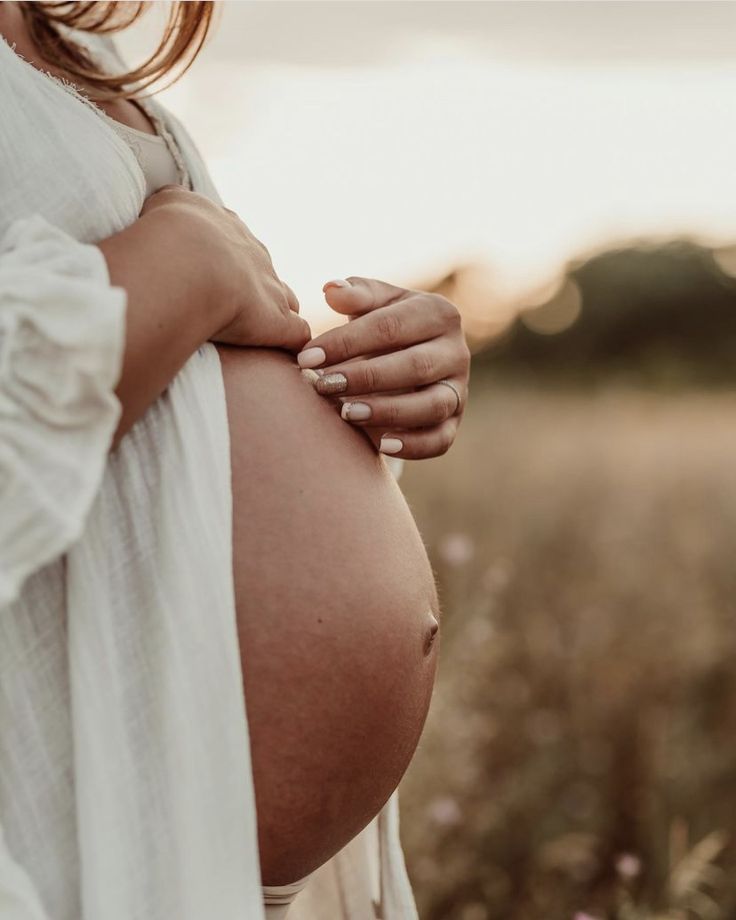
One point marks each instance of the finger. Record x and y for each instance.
(360, 295)
(420, 444)
(384, 329)
(425, 408)
(412, 367)
(291, 298)
(294, 334)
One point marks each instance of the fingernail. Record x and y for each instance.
(311, 357)
(391, 445)
(309, 375)
(331, 383)
(338, 283)
(356, 411)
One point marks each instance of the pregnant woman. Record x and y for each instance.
(181, 521)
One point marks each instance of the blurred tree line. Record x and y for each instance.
(659, 315)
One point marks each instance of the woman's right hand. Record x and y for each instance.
(193, 273)
(235, 268)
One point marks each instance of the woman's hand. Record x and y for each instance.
(403, 362)
(237, 269)
(192, 272)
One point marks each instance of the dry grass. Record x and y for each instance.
(581, 751)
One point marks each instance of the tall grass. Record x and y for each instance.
(580, 756)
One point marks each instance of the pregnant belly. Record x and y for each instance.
(336, 611)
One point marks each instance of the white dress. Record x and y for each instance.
(125, 789)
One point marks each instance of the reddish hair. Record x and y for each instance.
(184, 35)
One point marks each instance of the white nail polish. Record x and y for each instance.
(355, 411)
(336, 282)
(311, 357)
(309, 375)
(391, 445)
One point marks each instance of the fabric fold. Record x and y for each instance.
(18, 898)
(62, 331)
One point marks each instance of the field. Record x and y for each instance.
(580, 755)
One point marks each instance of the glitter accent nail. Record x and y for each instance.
(330, 384)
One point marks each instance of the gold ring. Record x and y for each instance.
(451, 385)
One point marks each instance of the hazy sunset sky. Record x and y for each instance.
(397, 139)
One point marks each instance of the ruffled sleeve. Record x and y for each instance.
(62, 333)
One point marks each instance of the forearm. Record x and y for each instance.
(169, 313)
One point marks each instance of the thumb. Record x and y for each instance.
(354, 296)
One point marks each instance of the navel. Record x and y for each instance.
(431, 634)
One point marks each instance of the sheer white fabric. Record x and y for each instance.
(125, 788)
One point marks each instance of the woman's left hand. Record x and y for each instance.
(402, 360)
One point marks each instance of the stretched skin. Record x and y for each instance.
(336, 610)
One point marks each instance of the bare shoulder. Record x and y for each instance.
(14, 30)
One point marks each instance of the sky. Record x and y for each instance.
(398, 140)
